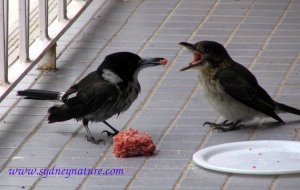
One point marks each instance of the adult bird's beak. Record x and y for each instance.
(150, 62)
(197, 55)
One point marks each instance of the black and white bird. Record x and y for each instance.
(108, 91)
(231, 88)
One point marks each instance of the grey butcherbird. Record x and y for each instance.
(232, 89)
(108, 91)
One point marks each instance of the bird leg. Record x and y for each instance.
(89, 137)
(225, 126)
(115, 131)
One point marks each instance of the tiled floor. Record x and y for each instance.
(264, 35)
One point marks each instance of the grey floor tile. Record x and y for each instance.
(287, 182)
(164, 182)
(109, 181)
(253, 37)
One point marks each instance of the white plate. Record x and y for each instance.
(251, 157)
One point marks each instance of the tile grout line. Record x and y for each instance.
(287, 74)
(271, 34)
(228, 40)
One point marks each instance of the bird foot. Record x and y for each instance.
(93, 140)
(225, 126)
(110, 134)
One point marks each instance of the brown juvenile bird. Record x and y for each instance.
(231, 88)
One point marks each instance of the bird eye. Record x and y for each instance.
(206, 50)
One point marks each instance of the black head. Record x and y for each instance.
(206, 52)
(127, 64)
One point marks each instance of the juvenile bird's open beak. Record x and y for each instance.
(150, 62)
(197, 56)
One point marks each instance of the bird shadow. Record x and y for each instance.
(271, 124)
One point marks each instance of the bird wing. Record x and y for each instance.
(90, 94)
(242, 85)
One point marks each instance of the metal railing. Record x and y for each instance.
(4, 41)
(43, 49)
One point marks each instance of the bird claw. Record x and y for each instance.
(93, 140)
(108, 133)
(207, 123)
(225, 126)
(221, 128)
(216, 128)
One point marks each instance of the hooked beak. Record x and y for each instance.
(197, 56)
(150, 62)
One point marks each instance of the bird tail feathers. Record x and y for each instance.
(39, 94)
(285, 108)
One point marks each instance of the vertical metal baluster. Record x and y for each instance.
(62, 10)
(24, 30)
(43, 49)
(48, 62)
(43, 13)
(4, 42)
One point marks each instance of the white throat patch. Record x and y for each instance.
(111, 76)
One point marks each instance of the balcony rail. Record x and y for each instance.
(43, 49)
